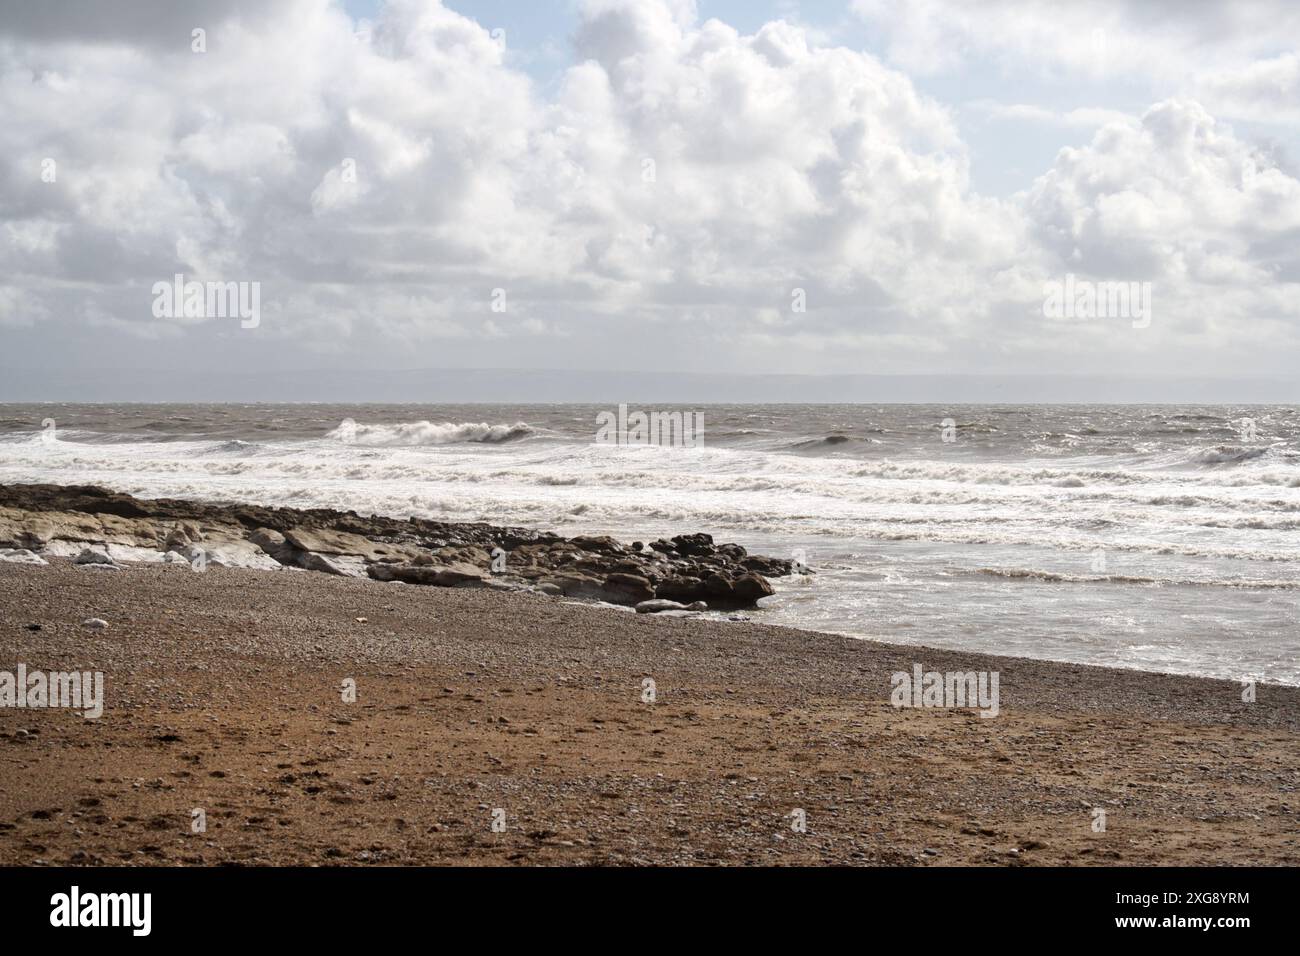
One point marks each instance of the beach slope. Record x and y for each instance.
(518, 728)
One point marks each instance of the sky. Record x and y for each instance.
(856, 188)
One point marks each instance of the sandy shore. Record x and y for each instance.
(224, 695)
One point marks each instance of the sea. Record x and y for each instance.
(1162, 538)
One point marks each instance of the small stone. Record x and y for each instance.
(95, 623)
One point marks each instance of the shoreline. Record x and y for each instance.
(223, 694)
(170, 530)
(598, 735)
(99, 526)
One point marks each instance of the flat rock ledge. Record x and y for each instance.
(687, 572)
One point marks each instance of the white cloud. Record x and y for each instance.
(1098, 39)
(680, 182)
(1267, 91)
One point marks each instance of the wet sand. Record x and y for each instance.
(223, 694)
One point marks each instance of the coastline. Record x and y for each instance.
(223, 694)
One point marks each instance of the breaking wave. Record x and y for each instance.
(410, 434)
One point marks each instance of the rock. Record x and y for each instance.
(275, 544)
(20, 556)
(659, 604)
(433, 574)
(23, 530)
(459, 573)
(91, 556)
(694, 544)
(224, 552)
(181, 537)
(337, 565)
(328, 541)
(95, 623)
(719, 585)
(602, 544)
(575, 585)
(769, 567)
(750, 587)
(622, 588)
(697, 606)
(62, 521)
(680, 589)
(388, 572)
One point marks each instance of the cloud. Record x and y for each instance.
(1266, 91)
(1180, 202)
(1096, 39)
(682, 180)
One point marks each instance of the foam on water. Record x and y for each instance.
(990, 542)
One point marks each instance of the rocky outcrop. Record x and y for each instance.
(689, 570)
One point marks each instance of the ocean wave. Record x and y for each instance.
(405, 434)
(827, 443)
(1056, 577)
(1228, 454)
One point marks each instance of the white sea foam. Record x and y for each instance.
(962, 546)
(427, 433)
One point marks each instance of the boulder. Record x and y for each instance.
(234, 552)
(718, 585)
(750, 587)
(435, 574)
(24, 530)
(275, 544)
(601, 544)
(92, 556)
(20, 556)
(694, 544)
(182, 536)
(769, 567)
(337, 565)
(621, 588)
(328, 541)
(680, 588)
(575, 585)
(457, 573)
